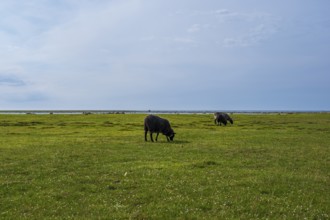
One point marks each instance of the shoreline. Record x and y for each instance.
(87, 112)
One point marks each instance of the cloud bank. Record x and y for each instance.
(138, 54)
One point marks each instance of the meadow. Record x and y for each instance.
(98, 166)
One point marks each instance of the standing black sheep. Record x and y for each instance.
(155, 124)
(220, 117)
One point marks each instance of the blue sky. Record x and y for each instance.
(165, 55)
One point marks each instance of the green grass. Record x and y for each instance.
(99, 166)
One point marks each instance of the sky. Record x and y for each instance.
(165, 55)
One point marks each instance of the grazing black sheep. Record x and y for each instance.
(155, 124)
(220, 117)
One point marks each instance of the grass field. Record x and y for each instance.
(266, 166)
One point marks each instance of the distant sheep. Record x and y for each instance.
(220, 117)
(155, 124)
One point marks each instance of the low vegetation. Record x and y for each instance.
(267, 166)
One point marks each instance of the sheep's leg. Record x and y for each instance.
(157, 136)
(145, 135)
(151, 137)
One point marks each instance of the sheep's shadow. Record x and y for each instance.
(179, 142)
(175, 142)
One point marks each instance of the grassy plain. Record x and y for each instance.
(99, 166)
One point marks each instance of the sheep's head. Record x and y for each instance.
(170, 134)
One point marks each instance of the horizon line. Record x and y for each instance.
(115, 111)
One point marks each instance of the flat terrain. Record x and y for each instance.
(265, 166)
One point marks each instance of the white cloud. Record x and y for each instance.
(194, 28)
(184, 40)
(255, 36)
(222, 11)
